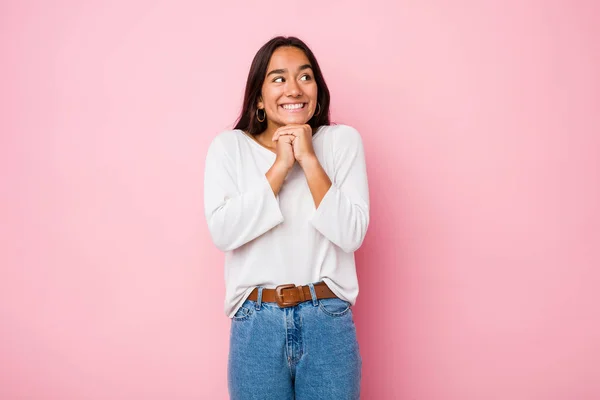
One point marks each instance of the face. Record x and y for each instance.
(289, 92)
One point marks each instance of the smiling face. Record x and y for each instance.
(289, 92)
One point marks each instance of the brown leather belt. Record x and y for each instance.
(290, 295)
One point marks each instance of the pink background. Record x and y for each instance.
(480, 272)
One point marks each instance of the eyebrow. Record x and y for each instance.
(282, 71)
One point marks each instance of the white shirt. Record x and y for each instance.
(272, 240)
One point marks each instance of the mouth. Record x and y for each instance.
(293, 107)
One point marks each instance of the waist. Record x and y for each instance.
(291, 295)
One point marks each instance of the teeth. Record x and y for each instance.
(293, 106)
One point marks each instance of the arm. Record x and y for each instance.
(317, 179)
(342, 213)
(234, 218)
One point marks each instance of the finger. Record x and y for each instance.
(286, 139)
(293, 132)
(286, 128)
(280, 132)
(277, 135)
(297, 130)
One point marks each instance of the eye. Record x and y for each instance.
(306, 77)
(279, 79)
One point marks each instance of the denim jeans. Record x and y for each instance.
(305, 352)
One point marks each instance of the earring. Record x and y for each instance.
(264, 115)
(318, 112)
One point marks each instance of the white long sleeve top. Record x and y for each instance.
(272, 240)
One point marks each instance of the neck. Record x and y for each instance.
(266, 136)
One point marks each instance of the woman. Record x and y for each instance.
(286, 198)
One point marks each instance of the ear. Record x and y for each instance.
(260, 103)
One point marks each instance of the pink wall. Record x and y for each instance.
(479, 275)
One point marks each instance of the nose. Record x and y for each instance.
(293, 89)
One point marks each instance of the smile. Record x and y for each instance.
(293, 107)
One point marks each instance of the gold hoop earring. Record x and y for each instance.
(318, 112)
(264, 115)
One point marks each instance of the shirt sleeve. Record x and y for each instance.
(235, 217)
(343, 214)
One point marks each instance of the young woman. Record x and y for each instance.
(287, 200)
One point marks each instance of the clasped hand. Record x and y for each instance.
(294, 143)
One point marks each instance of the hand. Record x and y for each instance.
(301, 138)
(285, 152)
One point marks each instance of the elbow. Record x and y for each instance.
(219, 241)
(350, 248)
(223, 244)
(352, 245)
(357, 236)
(220, 237)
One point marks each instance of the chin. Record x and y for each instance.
(297, 121)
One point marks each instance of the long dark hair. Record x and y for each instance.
(247, 120)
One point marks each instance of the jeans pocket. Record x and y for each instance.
(243, 313)
(334, 307)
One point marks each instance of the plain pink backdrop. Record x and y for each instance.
(479, 275)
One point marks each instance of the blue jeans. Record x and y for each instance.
(305, 352)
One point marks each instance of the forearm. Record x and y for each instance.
(317, 179)
(276, 176)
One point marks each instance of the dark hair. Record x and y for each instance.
(247, 120)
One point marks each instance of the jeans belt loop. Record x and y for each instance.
(259, 300)
(313, 294)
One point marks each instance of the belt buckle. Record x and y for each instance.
(279, 296)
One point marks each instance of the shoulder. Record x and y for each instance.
(342, 132)
(226, 141)
(343, 136)
(224, 147)
(227, 138)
